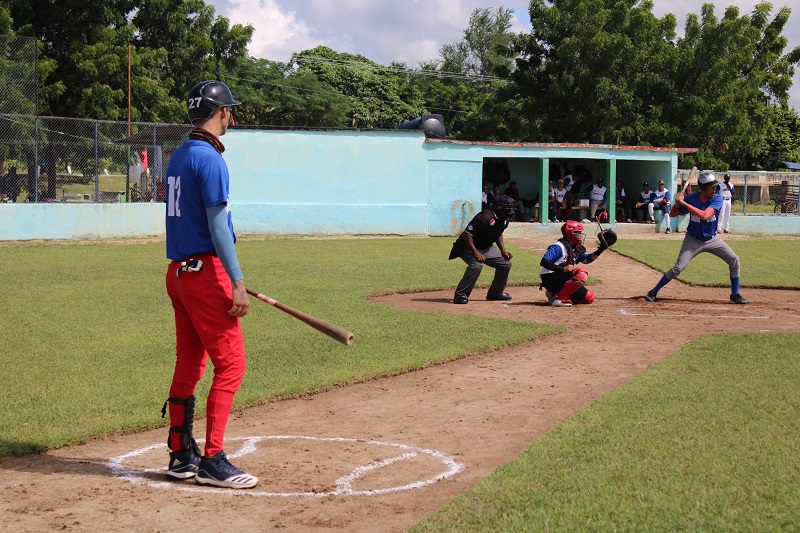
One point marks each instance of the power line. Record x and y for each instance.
(288, 86)
(399, 70)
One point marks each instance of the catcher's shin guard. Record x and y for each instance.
(575, 292)
(185, 431)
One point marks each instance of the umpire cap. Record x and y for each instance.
(205, 97)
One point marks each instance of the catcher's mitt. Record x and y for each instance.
(607, 237)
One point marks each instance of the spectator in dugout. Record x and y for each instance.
(644, 203)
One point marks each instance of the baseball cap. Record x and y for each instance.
(661, 182)
(645, 184)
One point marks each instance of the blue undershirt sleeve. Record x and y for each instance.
(223, 240)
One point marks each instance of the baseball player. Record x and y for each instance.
(645, 201)
(660, 202)
(476, 246)
(564, 283)
(701, 236)
(597, 198)
(726, 191)
(206, 286)
(559, 202)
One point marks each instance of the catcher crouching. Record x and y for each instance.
(563, 281)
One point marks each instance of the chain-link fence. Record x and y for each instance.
(52, 159)
(18, 76)
(759, 193)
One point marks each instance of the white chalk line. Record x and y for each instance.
(343, 484)
(624, 311)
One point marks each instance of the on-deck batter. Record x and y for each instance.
(207, 290)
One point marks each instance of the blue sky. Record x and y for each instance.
(411, 31)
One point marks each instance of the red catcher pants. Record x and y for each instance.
(204, 329)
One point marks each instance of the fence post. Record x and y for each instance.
(152, 174)
(96, 163)
(35, 161)
(744, 200)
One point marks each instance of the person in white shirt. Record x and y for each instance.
(661, 202)
(725, 190)
(559, 206)
(645, 203)
(597, 198)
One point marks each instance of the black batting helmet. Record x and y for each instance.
(205, 97)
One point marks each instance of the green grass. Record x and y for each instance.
(87, 343)
(703, 441)
(768, 263)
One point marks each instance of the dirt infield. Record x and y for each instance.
(381, 455)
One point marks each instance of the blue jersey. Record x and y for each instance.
(702, 229)
(197, 178)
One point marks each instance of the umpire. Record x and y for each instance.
(475, 246)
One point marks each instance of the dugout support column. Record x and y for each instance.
(544, 188)
(611, 195)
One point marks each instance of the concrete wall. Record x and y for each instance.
(331, 183)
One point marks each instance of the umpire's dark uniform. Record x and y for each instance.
(481, 234)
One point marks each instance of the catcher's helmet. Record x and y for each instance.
(504, 206)
(572, 230)
(205, 97)
(707, 179)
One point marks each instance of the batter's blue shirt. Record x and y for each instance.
(197, 178)
(702, 229)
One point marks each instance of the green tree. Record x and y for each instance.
(199, 45)
(374, 90)
(732, 84)
(454, 87)
(595, 71)
(273, 94)
(175, 43)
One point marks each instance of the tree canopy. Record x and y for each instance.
(595, 71)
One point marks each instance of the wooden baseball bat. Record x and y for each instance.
(692, 174)
(334, 332)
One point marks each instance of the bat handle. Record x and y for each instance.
(262, 297)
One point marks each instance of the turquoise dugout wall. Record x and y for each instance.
(345, 182)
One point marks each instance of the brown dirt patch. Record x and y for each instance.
(479, 411)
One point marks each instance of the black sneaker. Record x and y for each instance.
(651, 296)
(503, 296)
(183, 464)
(739, 299)
(218, 471)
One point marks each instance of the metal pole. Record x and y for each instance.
(36, 61)
(35, 160)
(744, 200)
(153, 176)
(96, 163)
(129, 89)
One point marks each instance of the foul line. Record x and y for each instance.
(343, 484)
(624, 311)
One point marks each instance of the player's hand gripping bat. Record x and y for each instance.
(334, 332)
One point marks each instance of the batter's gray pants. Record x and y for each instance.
(494, 259)
(693, 246)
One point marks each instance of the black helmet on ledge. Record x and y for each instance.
(205, 97)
